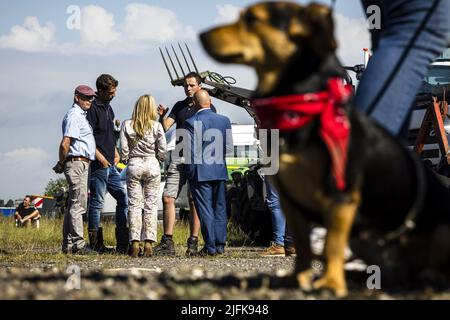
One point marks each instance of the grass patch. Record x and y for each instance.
(22, 245)
(236, 237)
(49, 235)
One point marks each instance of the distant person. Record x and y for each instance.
(104, 174)
(143, 147)
(26, 214)
(411, 35)
(207, 172)
(76, 151)
(282, 243)
(176, 177)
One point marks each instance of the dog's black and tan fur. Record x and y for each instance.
(292, 48)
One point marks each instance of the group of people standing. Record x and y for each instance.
(202, 193)
(88, 157)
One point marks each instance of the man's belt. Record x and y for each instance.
(72, 159)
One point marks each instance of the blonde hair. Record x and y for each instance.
(144, 114)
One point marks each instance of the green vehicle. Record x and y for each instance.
(246, 207)
(239, 164)
(245, 151)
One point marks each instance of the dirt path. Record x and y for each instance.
(239, 274)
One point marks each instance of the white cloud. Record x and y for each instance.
(151, 23)
(31, 37)
(97, 26)
(24, 171)
(352, 36)
(227, 13)
(143, 25)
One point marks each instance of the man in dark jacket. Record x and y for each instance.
(104, 175)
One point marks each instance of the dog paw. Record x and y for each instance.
(305, 280)
(337, 288)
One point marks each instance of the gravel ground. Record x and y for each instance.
(239, 274)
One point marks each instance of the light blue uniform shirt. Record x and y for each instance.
(76, 126)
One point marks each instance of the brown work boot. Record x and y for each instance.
(148, 249)
(290, 251)
(275, 250)
(134, 249)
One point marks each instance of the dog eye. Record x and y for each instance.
(250, 18)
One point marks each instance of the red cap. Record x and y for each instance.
(85, 90)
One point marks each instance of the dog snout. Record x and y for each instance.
(208, 42)
(223, 44)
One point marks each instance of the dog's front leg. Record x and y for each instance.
(338, 226)
(303, 270)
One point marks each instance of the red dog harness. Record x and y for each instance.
(290, 113)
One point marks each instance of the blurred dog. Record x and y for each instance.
(334, 161)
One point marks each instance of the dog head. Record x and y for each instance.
(271, 36)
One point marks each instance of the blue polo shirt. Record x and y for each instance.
(76, 127)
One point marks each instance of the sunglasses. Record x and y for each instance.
(86, 98)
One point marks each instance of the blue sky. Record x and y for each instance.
(41, 62)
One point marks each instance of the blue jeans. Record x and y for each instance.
(412, 34)
(280, 236)
(102, 180)
(210, 202)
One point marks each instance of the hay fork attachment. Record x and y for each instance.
(221, 87)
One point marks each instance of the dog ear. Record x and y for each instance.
(297, 27)
(320, 21)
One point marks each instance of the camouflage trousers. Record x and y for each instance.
(143, 181)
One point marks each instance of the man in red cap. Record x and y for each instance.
(76, 151)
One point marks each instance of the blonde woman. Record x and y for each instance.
(143, 147)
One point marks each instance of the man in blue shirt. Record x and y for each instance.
(76, 151)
